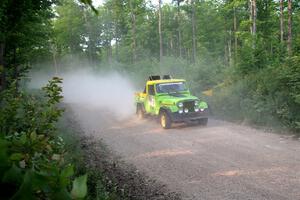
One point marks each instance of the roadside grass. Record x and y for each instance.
(99, 186)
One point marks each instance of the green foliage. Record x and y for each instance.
(79, 190)
(32, 155)
(69, 27)
(268, 97)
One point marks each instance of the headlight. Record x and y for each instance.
(180, 111)
(201, 109)
(196, 109)
(186, 110)
(180, 105)
(196, 103)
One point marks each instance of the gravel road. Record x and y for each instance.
(220, 161)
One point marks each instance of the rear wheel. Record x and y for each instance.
(203, 121)
(165, 120)
(140, 112)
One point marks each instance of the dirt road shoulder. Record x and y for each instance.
(118, 177)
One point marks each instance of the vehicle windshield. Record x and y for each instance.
(170, 87)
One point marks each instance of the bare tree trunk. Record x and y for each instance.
(235, 34)
(159, 31)
(281, 21)
(88, 27)
(16, 68)
(251, 15)
(253, 21)
(254, 17)
(180, 46)
(171, 47)
(117, 49)
(226, 52)
(194, 30)
(133, 24)
(109, 52)
(289, 41)
(178, 29)
(54, 59)
(229, 49)
(2, 67)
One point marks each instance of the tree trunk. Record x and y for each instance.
(178, 29)
(54, 60)
(251, 15)
(109, 53)
(253, 21)
(281, 21)
(289, 42)
(117, 49)
(194, 30)
(2, 67)
(235, 34)
(16, 68)
(133, 29)
(171, 47)
(254, 17)
(89, 43)
(160, 32)
(229, 49)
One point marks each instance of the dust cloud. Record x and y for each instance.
(104, 91)
(109, 91)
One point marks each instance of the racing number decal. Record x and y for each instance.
(151, 94)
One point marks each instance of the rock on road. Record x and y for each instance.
(220, 161)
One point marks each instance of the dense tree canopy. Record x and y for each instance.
(245, 50)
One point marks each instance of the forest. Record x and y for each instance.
(245, 53)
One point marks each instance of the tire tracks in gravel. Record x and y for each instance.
(120, 177)
(221, 161)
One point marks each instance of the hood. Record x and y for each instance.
(176, 97)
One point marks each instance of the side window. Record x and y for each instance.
(151, 90)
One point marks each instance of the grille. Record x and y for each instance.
(189, 105)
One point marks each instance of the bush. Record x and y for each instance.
(271, 97)
(32, 157)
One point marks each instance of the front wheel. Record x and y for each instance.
(203, 121)
(165, 120)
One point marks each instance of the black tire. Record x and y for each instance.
(165, 120)
(203, 121)
(140, 112)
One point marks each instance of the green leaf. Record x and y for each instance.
(23, 138)
(25, 190)
(61, 195)
(67, 171)
(33, 136)
(65, 175)
(297, 98)
(4, 159)
(41, 181)
(16, 156)
(13, 175)
(79, 189)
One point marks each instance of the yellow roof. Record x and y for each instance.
(164, 81)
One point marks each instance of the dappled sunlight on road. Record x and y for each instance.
(164, 153)
(252, 172)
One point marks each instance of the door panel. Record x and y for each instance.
(150, 99)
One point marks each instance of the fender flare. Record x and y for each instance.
(165, 109)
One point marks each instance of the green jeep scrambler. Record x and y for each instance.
(171, 100)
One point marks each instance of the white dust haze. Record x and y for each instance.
(109, 91)
(106, 91)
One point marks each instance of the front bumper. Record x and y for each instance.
(191, 116)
